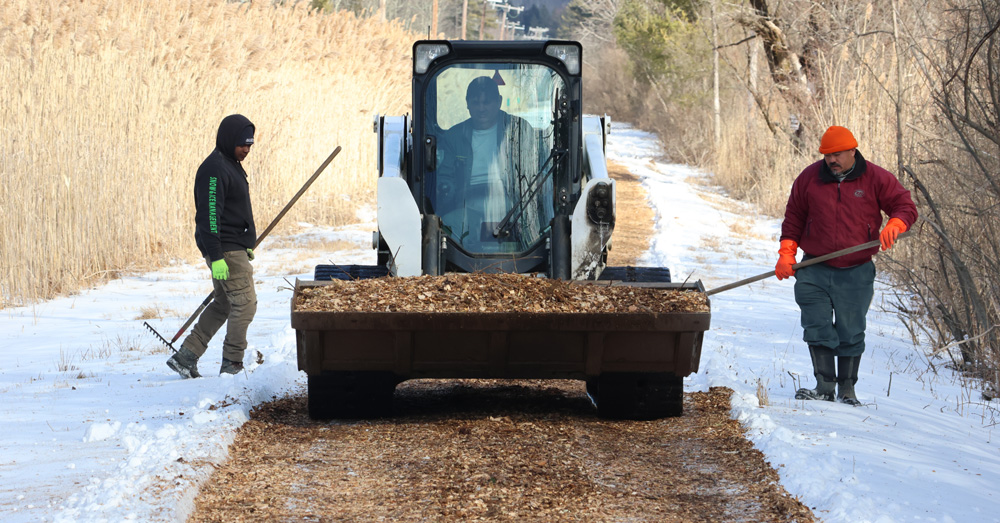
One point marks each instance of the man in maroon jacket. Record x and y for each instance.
(837, 203)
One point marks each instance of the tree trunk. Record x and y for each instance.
(465, 17)
(482, 23)
(434, 19)
(785, 64)
(716, 105)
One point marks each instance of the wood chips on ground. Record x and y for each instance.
(493, 293)
(487, 450)
(490, 450)
(634, 217)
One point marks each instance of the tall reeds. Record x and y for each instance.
(107, 107)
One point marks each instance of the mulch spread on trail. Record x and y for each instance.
(493, 450)
(493, 293)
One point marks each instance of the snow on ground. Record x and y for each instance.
(96, 428)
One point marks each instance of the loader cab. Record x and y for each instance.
(495, 143)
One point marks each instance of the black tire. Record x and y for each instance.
(593, 389)
(639, 395)
(636, 274)
(348, 272)
(351, 395)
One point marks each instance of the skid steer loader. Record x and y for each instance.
(497, 171)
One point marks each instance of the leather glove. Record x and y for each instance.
(888, 235)
(250, 254)
(220, 270)
(786, 258)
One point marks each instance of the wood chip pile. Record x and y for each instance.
(525, 451)
(493, 293)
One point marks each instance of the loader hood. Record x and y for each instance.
(230, 130)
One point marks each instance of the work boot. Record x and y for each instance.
(230, 367)
(185, 363)
(826, 376)
(847, 376)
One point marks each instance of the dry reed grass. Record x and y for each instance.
(109, 106)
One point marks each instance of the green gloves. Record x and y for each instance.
(220, 270)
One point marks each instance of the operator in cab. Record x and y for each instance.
(484, 171)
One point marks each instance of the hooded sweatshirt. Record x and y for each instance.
(223, 214)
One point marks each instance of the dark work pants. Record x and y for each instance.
(834, 303)
(235, 301)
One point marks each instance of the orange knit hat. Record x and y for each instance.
(837, 139)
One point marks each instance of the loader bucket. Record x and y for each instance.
(633, 362)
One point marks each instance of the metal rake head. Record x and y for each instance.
(157, 334)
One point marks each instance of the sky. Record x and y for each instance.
(95, 427)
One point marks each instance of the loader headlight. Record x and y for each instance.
(424, 54)
(599, 204)
(569, 55)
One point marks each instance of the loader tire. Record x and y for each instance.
(638, 395)
(350, 395)
(348, 272)
(636, 274)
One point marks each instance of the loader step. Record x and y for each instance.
(348, 272)
(636, 274)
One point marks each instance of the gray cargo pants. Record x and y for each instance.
(834, 304)
(235, 301)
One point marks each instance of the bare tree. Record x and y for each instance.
(957, 272)
(592, 20)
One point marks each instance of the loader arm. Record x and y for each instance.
(594, 216)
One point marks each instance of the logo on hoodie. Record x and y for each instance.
(859, 193)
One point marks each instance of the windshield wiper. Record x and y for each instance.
(514, 214)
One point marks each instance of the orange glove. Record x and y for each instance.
(890, 232)
(786, 258)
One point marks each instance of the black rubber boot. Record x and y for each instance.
(231, 367)
(847, 376)
(826, 376)
(185, 363)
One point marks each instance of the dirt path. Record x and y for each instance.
(485, 450)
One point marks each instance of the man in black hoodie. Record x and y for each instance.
(225, 234)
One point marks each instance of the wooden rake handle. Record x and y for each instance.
(260, 238)
(797, 266)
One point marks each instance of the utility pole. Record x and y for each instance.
(506, 8)
(381, 10)
(434, 18)
(465, 16)
(514, 28)
(482, 22)
(538, 33)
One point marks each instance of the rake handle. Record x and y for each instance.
(797, 266)
(274, 222)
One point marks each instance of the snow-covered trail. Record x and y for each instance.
(919, 450)
(96, 428)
